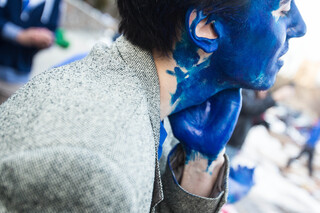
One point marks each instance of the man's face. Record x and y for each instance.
(250, 49)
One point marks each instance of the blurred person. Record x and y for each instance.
(241, 180)
(254, 105)
(87, 137)
(26, 26)
(309, 147)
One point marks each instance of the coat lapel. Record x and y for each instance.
(142, 63)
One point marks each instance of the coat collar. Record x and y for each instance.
(141, 61)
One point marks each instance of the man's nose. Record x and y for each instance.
(296, 26)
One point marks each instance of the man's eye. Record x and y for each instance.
(285, 12)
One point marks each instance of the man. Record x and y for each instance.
(26, 26)
(309, 147)
(254, 104)
(85, 137)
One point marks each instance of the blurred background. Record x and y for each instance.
(82, 23)
(267, 148)
(278, 188)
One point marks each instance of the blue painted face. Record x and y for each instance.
(247, 52)
(249, 55)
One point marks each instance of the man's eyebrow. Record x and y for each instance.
(282, 2)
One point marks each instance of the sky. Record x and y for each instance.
(306, 48)
(310, 10)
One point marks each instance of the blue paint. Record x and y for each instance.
(249, 48)
(187, 58)
(186, 54)
(240, 183)
(245, 54)
(206, 128)
(170, 72)
(163, 136)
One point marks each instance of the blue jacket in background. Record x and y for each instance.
(13, 54)
(314, 135)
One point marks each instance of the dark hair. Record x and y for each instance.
(156, 24)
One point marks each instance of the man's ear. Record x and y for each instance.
(201, 31)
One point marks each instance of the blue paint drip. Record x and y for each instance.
(185, 54)
(170, 72)
(187, 58)
(192, 155)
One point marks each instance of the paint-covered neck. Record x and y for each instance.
(187, 77)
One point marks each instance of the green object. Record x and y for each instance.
(60, 39)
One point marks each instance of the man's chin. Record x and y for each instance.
(263, 84)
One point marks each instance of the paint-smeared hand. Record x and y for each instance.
(206, 128)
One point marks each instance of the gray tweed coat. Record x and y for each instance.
(84, 138)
